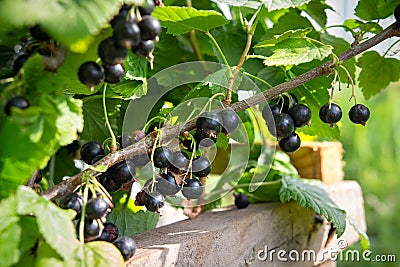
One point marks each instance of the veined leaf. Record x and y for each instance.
(281, 4)
(363, 26)
(312, 195)
(376, 73)
(375, 9)
(300, 33)
(102, 254)
(180, 20)
(130, 223)
(294, 51)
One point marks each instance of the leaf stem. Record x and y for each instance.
(258, 79)
(221, 53)
(113, 147)
(82, 220)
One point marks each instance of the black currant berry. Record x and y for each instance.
(241, 201)
(203, 140)
(90, 150)
(141, 197)
(150, 28)
(269, 112)
(114, 73)
(96, 208)
(180, 162)
(330, 114)
(110, 53)
(126, 246)
(91, 74)
(71, 201)
(122, 15)
(359, 114)
(147, 9)
(122, 172)
(290, 143)
(38, 33)
(96, 159)
(285, 102)
(144, 48)
(109, 184)
(141, 160)
(105, 236)
(192, 188)
(39, 177)
(154, 201)
(230, 120)
(126, 34)
(91, 229)
(167, 185)
(18, 102)
(201, 166)
(300, 114)
(397, 13)
(162, 157)
(209, 124)
(284, 125)
(112, 230)
(19, 62)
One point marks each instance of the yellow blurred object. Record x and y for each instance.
(306, 138)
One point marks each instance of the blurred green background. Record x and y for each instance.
(372, 157)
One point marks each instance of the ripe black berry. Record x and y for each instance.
(110, 53)
(201, 166)
(126, 34)
(126, 246)
(359, 114)
(180, 162)
(300, 114)
(90, 150)
(269, 112)
(330, 114)
(105, 236)
(209, 124)
(112, 230)
(122, 14)
(162, 157)
(19, 102)
(241, 201)
(192, 188)
(71, 201)
(285, 102)
(39, 177)
(19, 62)
(147, 9)
(230, 120)
(96, 159)
(109, 184)
(284, 125)
(397, 13)
(203, 140)
(114, 73)
(167, 185)
(122, 172)
(154, 201)
(144, 48)
(91, 74)
(96, 208)
(290, 143)
(91, 229)
(38, 33)
(150, 28)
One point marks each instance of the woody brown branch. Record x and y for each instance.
(170, 132)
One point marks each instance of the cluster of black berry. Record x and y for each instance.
(283, 117)
(128, 33)
(94, 226)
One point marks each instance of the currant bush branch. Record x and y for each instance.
(170, 132)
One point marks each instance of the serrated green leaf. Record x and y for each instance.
(376, 73)
(47, 256)
(359, 25)
(281, 4)
(300, 33)
(295, 51)
(375, 9)
(312, 195)
(30, 233)
(317, 10)
(94, 121)
(85, 18)
(130, 223)
(102, 254)
(50, 220)
(180, 20)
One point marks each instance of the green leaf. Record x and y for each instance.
(317, 10)
(130, 223)
(30, 233)
(102, 254)
(85, 18)
(50, 220)
(294, 51)
(180, 20)
(94, 121)
(310, 194)
(376, 73)
(361, 26)
(364, 239)
(241, 3)
(47, 256)
(300, 33)
(281, 4)
(375, 9)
